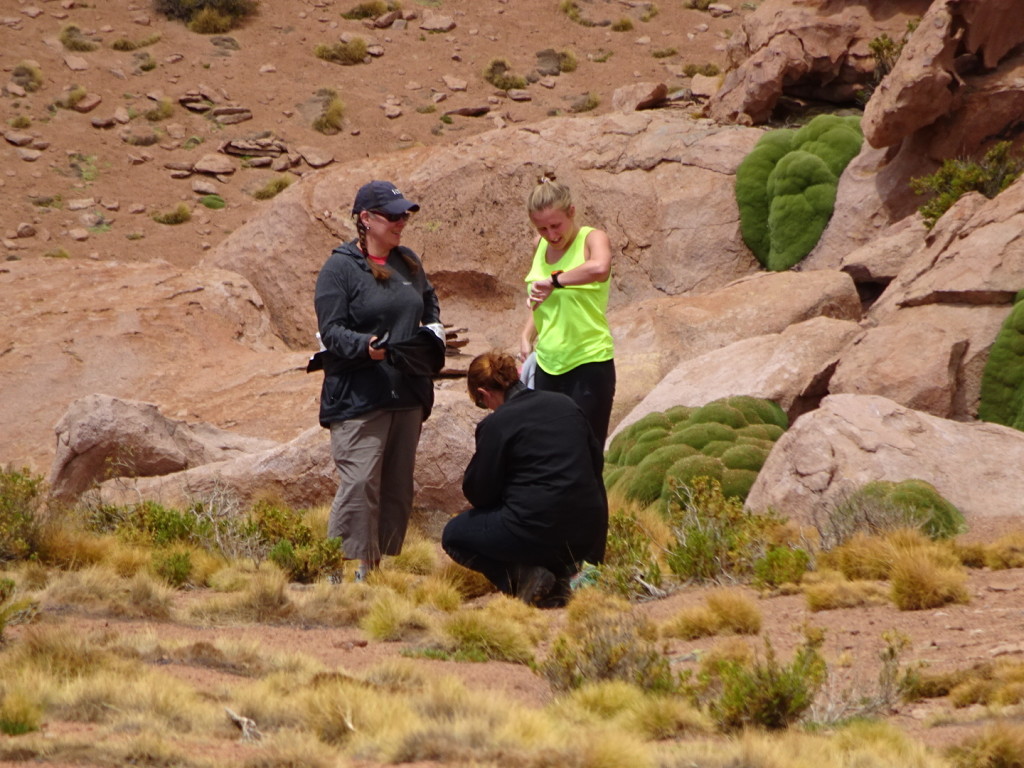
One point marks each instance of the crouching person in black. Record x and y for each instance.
(539, 504)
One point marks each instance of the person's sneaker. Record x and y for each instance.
(361, 573)
(533, 582)
(559, 594)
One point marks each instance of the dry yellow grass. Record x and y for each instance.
(919, 582)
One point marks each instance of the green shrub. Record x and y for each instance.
(498, 73)
(786, 187)
(571, 9)
(21, 499)
(210, 21)
(606, 642)
(179, 215)
(273, 187)
(71, 38)
(622, 25)
(213, 202)
(996, 171)
(19, 122)
(369, 10)
(329, 121)
(882, 506)
(664, 53)
(630, 568)
(1002, 381)
(587, 102)
(708, 70)
(781, 565)
(714, 536)
(19, 714)
(346, 54)
(28, 76)
(645, 485)
(768, 694)
(567, 61)
(214, 11)
(124, 44)
(163, 110)
(173, 566)
(307, 563)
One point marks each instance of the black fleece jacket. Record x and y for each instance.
(351, 307)
(539, 463)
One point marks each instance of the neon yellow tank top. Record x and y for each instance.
(571, 325)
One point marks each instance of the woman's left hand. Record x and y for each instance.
(539, 291)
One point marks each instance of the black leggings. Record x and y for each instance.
(592, 388)
(480, 540)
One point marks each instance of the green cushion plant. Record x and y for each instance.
(726, 440)
(1002, 381)
(786, 187)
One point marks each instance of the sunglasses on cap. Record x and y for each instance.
(393, 217)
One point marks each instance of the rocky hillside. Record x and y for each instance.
(874, 345)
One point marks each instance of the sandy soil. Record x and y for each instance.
(270, 69)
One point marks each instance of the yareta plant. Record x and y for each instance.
(1002, 382)
(786, 187)
(924, 506)
(726, 440)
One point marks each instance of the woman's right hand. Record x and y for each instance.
(525, 348)
(375, 354)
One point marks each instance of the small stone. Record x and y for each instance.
(103, 122)
(214, 163)
(519, 94)
(80, 203)
(25, 230)
(32, 12)
(29, 155)
(268, 69)
(111, 205)
(315, 157)
(454, 83)
(204, 187)
(76, 63)
(18, 139)
(88, 103)
(391, 111)
(91, 219)
(78, 234)
(13, 89)
(136, 208)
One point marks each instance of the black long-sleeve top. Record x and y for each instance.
(351, 307)
(539, 463)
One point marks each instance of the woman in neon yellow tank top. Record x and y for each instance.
(567, 297)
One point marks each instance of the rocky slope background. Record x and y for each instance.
(171, 358)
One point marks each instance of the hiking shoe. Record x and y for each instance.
(533, 582)
(559, 594)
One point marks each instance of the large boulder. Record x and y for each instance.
(957, 78)
(301, 472)
(932, 328)
(814, 50)
(100, 437)
(792, 368)
(855, 439)
(653, 336)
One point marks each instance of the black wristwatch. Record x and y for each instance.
(554, 278)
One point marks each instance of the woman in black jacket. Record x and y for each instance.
(371, 293)
(539, 505)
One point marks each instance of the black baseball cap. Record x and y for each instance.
(382, 196)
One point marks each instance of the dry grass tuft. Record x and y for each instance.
(918, 582)
(394, 617)
(726, 611)
(827, 590)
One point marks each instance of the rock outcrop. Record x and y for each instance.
(854, 439)
(102, 436)
(812, 50)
